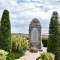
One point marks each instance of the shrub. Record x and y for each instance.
(10, 56)
(27, 37)
(3, 55)
(44, 41)
(14, 55)
(46, 56)
(17, 54)
(19, 44)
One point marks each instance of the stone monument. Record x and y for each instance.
(35, 34)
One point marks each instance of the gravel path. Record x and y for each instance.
(31, 56)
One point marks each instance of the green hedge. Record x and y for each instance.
(10, 56)
(46, 56)
(14, 55)
(44, 40)
(3, 55)
(17, 54)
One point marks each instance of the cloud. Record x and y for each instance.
(23, 11)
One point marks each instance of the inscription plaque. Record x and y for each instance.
(34, 35)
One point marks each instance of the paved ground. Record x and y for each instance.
(31, 56)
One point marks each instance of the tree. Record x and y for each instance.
(6, 31)
(54, 42)
(0, 36)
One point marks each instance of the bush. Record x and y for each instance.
(17, 54)
(46, 56)
(14, 55)
(3, 55)
(10, 56)
(19, 44)
(44, 40)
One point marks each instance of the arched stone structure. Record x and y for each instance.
(35, 33)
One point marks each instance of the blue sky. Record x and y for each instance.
(23, 11)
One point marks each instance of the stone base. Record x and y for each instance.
(40, 49)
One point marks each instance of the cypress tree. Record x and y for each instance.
(6, 31)
(53, 42)
(0, 37)
(58, 44)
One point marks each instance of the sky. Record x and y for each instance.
(23, 11)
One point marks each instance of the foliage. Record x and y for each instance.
(44, 40)
(3, 55)
(14, 55)
(6, 31)
(18, 54)
(46, 56)
(0, 36)
(19, 43)
(54, 41)
(10, 56)
(27, 37)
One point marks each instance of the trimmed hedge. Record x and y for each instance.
(46, 56)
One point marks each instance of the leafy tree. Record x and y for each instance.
(54, 42)
(6, 31)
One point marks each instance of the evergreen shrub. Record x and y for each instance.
(46, 56)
